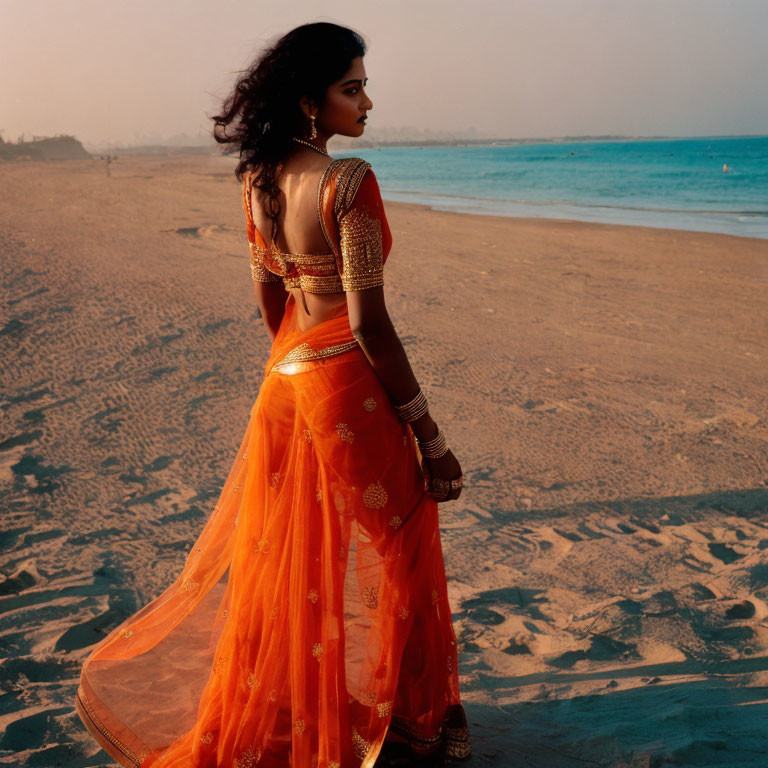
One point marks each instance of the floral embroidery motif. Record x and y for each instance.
(434, 596)
(345, 433)
(252, 681)
(262, 545)
(299, 726)
(370, 596)
(218, 665)
(360, 745)
(307, 436)
(450, 664)
(312, 595)
(236, 488)
(207, 738)
(334, 764)
(188, 585)
(369, 404)
(245, 453)
(369, 697)
(274, 477)
(273, 695)
(248, 759)
(395, 521)
(127, 633)
(317, 650)
(273, 615)
(226, 612)
(403, 612)
(384, 708)
(374, 496)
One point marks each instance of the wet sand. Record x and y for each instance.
(603, 387)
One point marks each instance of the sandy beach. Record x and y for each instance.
(603, 387)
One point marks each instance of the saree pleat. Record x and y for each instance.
(311, 617)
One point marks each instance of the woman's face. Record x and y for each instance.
(345, 104)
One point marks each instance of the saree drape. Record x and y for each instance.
(311, 618)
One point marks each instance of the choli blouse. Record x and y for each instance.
(351, 215)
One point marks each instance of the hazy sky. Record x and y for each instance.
(130, 71)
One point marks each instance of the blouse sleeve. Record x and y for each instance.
(364, 237)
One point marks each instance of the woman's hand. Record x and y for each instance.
(438, 473)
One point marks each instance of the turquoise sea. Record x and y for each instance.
(669, 183)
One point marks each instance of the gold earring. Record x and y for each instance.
(313, 132)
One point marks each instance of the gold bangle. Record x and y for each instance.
(434, 448)
(414, 409)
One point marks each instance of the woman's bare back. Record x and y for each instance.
(298, 180)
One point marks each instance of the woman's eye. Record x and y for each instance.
(352, 90)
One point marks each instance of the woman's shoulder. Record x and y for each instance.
(348, 174)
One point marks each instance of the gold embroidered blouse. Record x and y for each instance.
(353, 222)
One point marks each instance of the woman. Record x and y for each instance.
(310, 623)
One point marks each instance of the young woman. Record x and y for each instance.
(310, 623)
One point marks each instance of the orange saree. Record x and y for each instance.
(311, 618)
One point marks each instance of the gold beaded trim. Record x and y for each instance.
(305, 352)
(361, 251)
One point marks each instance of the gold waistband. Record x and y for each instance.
(304, 352)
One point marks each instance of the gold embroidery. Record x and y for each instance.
(207, 738)
(273, 695)
(317, 650)
(370, 596)
(252, 681)
(334, 764)
(434, 596)
(395, 521)
(321, 283)
(218, 665)
(339, 502)
(369, 697)
(273, 478)
(450, 664)
(259, 272)
(403, 612)
(226, 612)
(374, 496)
(189, 585)
(312, 595)
(342, 552)
(236, 488)
(261, 546)
(304, 352)
(245, 453)
(299, 726)
(384, 708)
(369, 404)
(361, 250)
(273, 615)
(350, 176)
(142, 757)
(345, 433)
(319, 494)
(248, 759)
(360, 745)
(127, 633)
(307, 436)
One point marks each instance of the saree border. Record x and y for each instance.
(456, 737)
(103, 736)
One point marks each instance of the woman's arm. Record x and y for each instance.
(271, 298)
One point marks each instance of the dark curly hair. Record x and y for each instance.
(262, 113)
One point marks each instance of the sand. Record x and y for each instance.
(603, 387)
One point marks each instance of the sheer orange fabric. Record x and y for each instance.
(311, 618)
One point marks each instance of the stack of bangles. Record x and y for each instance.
(414, 409)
